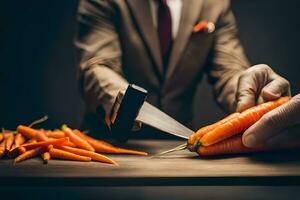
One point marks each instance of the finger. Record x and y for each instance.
(246, 92)
(276, 88)
(272, 123)
(261, 131)
(250, 85)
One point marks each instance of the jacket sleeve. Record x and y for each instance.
(97, 42)
(228, 60)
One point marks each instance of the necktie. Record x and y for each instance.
(164, 28)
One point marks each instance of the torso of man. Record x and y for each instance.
(119, 44)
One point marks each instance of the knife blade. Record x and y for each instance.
(131, 107)
(155, 118)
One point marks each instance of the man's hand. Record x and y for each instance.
(274, 122)
(259, 84)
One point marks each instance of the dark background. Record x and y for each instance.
(37, 57)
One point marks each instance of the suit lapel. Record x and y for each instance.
(142, 13)
(190, 12)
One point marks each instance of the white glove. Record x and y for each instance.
(267, 129)
(259, 84)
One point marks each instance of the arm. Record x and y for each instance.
(236, 86)
(100, 68)
(228, 60)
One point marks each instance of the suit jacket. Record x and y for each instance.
(118, 44)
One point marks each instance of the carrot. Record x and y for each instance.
(60, 141)
(28, 154)
(79, 142)
(2, 148)
(2, 152)
(20, 150)
(9, 141)
(31, 141)
(240, 123)
(46, 157)
(233, 145)
(26, 131)
(41, 136)
(70, 144)
(90, 139)
(19, 140)
(58, 153)
(55, 134)
(94, 156)
(49, 147)
(1, 137)
(194, 139)
(101, 146)
(32, 133)
(6, 134)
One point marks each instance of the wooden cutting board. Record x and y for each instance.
(181, 168)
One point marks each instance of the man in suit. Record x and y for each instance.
(155, 44)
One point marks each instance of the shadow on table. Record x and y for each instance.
(259, 157)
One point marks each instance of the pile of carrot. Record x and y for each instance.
(65, 143)
(225, 136)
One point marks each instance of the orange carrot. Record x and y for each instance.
(2, 148)
(2, 152)
(233, 145)
(94, 156)
(49, 147)
(31, 141)
(28, 154)
(79, 142)
(41, 136)
(19, 140)
(20, 150)
(32, 133)
(70, 144)
(101, 146)
(58, 153)
(9, 141)
(240, 123)
(26, 131)
(90, 139)
(46, 157)
(194, 139)
(60, 141)
(1, 137)
(129, 151)
(55, 134)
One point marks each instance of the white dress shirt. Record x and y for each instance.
(175, 9)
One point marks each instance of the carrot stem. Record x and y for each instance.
(38, 121)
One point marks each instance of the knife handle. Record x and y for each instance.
(125, 110)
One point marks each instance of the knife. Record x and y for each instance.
(131, 108)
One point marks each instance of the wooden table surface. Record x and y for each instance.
(182, 168)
